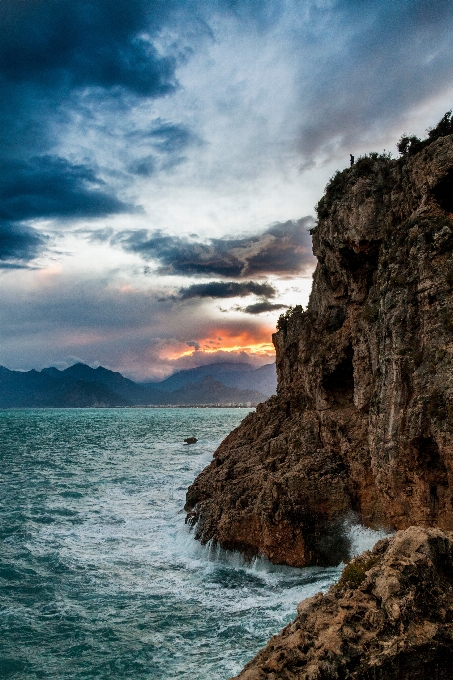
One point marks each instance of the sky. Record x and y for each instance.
(161, 160)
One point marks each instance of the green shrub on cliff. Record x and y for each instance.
(290, 313)
(354, 572)
(409, 145)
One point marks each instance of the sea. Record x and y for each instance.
(100, 577)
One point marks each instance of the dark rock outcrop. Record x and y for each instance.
(363, 417)
(390, 617)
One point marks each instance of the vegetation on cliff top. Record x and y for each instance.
(409, 145)
(364, 166)
(369, 163)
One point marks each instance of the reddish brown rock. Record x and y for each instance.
(363, 417)
(390, 617)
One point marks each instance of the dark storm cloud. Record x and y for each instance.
(90, 42)
(144, 167)
(18, 244)
(261, 307)
(226, 289)
(283, 249)
(48, 186)
(51, 52)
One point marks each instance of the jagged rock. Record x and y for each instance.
(390, 617)
(190, 440)
(363, 417)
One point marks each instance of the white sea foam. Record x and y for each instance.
(361, 537)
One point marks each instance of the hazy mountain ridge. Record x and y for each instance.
(215, 391)
(82, 386)
(241, 375)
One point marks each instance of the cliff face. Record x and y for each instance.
(363, 417)
(390, 617)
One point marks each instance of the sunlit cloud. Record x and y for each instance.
(282, 249)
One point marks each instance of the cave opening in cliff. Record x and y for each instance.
(428, 455)
(339, 384)
(443, 192)
(361, 262)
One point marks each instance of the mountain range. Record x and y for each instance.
(82, 386)
(241, 375)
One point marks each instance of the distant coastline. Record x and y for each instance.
(137, 406)
(247, 405)
(226, 384)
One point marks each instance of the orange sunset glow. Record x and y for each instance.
(227, 340)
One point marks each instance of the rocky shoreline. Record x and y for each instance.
(390, 617)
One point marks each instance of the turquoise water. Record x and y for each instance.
(99, 575)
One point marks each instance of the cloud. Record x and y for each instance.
(144, 167)
(48, 186)
(19, 244)
(261, 307)
(284, 249)
(224, 289)
(167, 141)
(170, 138)
(59, 63)
(104, 43)
(62, 61)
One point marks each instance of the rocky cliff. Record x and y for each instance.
(363, 418)
(390, 617)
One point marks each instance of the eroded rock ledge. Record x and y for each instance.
(390, 617)
(363, 417)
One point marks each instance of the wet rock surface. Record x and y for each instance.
(389, 617)
(363, 417)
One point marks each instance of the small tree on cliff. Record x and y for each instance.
(407, 146)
